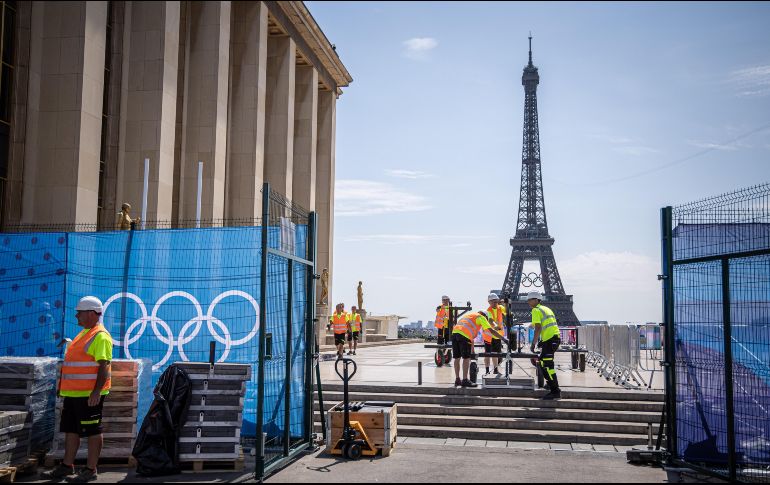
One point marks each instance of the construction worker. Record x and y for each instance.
(340, 324)
(442, 321)
(463, 334)
(547, 334)
(85, 382)
(355, 329)
(491, 343)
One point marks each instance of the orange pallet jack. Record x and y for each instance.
(348, 446)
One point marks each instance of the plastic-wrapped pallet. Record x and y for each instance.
(29, 384)
(119, 415)
(212, 432)
(15, 429)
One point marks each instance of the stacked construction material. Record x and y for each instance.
(15, 429)
(119, 414)
(28, 384)
(212, 433)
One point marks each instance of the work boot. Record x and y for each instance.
(57, 473)
(84, 475)
(497, 372)
(354, 352)
(468, 383)
(458, 382)
(487, 372)
(554, 394)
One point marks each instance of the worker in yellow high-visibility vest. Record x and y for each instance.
(491, 343)
(340, 323)
(463, 334)
(547, 333)
(355, 330)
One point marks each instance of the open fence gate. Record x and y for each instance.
(286, 333)
(716, 298)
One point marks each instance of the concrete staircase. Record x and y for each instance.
(600, 417)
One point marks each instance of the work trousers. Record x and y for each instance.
(546, 362)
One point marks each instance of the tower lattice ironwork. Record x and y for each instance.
(532, 240)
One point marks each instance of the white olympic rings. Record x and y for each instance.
(167, 337)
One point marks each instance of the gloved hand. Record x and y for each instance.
(532, 347)
(539, 344)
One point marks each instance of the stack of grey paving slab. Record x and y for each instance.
(15, 427)
(213, 428)
(28, 385)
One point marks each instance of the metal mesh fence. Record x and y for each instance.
(718, 305)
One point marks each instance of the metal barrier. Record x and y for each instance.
(614, 350)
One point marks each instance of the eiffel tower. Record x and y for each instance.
(532, 240)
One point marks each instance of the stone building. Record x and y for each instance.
(90, 89)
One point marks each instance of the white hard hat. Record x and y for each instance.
(492, 296)
(89, 303)
(534, 294)
(444, 297)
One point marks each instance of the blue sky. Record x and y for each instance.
(641, 106)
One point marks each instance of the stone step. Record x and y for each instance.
(524, 412)
(518, 435)
(496, 423)
(500, 402)
(588, 394)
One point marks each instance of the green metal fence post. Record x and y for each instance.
(728, 339)
(310, 329)
(669, 364)
(260, 467)
(287, 382)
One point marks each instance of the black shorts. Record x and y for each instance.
(80, 418)
(461, 346)
(495, 346)
(353, 336)
(339, 338)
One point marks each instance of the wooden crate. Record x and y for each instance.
(379, 422)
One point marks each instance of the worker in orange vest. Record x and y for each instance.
(442, 321)
(84, 383)
(340, 323)
(355, 330)
(491, 343)
(463, 334)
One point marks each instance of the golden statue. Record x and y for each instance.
(360, 295)
(124, 219)
(324, 287)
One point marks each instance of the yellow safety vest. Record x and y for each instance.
(543, 317)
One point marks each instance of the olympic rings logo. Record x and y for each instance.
(531, 279)
(167, 337)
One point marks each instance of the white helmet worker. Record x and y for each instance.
(89, 303)
(534, 295)
(444, 297)
(492, 296)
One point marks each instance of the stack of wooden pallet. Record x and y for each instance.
(211, 437)
(28, 385)
(119, 415)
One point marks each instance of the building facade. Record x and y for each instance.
(89, 90)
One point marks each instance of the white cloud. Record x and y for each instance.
(409, 174)
(751, 81)
(625, 145)
(419, 47)
(366, 197)
(718, 146)
(491, 269)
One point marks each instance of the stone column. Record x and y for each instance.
(246, 136)
(279, 130)
(150, 119)
(305, 137)
(205, 118)
(65, 112)
(324, 195)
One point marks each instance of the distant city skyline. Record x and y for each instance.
(641, 106)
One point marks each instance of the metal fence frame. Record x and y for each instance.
(724, 257)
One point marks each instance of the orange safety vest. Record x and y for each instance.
(496, 315)
(468, 325)
(441, 317)
(79, 370)
(340, 322)
(355, 321)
